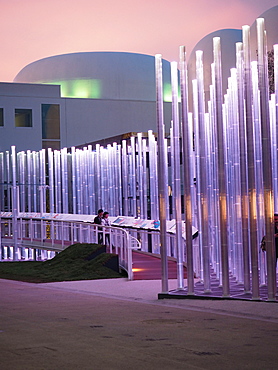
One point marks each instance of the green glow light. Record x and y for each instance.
(79, 88)
(167, 93)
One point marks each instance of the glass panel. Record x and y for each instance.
(1, 117)
(23, 117)
(50, 121)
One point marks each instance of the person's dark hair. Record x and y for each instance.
(105, 213)
(100, 211)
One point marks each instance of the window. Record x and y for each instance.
(23, 118)
(51, 121)
(53, 144)
(1, 117)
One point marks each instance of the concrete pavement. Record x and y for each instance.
(120, 324)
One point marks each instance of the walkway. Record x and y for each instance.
(119, 324)
(147, 266)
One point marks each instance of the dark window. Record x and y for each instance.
(53, 144)
(23, 118)
(1, 117)
(51, 121)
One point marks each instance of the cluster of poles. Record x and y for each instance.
(220, 159)
(235, 164)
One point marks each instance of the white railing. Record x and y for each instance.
(56, 235)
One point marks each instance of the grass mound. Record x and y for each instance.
(77, 262)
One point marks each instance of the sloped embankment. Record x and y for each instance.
(77, 262)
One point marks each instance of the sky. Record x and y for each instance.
(35, 29)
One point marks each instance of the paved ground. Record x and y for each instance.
(120, 324)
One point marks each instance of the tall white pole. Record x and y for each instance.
(221, 166)
(161, 168)
(202, 179)
(177, 175)
(267, 163)
(250, 161)
(14, 203)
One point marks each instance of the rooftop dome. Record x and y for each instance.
(271, 25)
(229, 38)
(99, 75)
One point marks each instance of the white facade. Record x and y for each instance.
(96, 95)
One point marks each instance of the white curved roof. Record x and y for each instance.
(229, 38)
(106, 75)
(271, 25)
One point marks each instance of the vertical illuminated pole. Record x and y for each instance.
(203, 169)
(152, 154)
(167, 179)
(215, 193)
(111, 179)
(108, 186)
(29, 190)
(73, 179)
(161, 169)
(250, 161)
(177, 176)
(91, 188)
(233, 176)
(258, 163)
(187, 138)
(243, 167)
(140, 175)
(86, 181)
(64, 168)
(1, 182)
(145, 195)
(276, 110)
(198, 177)
(221, 166)
(14, 203)
(97, 174)
(82, 181)
(272, 111)
(34, 180)
(51, 181)
(266, 157)
(58, 181)
(172, 150)
(133, 176)
(78, 182)
(22, 173)
(42, 181)
(102, 176)
(8, 180)
(116, 187)
(125, 178)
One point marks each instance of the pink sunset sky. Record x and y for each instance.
(35, 29)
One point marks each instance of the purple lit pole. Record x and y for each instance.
(14, 203)
(177, 180)
(250, 161)
(267, 160)
(221, 167)
(276, 106)
(161, 169)
(140, 175)
(202, 178)
(243, 168)
(125, 179)
(186, 158)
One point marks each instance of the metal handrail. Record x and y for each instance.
(56, 235)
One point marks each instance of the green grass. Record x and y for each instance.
(77, 262)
